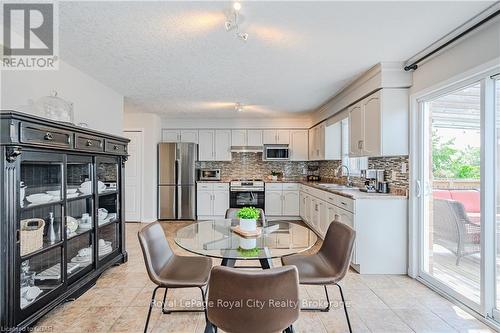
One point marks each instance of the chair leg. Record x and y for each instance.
(164, 310)
(204, 304)
(210, 328)
(320, 309)
(289, 329)
(345, 308)
(151, 304)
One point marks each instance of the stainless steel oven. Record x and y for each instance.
(246, 192)
(209, 174)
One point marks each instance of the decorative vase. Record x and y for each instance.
(248, 243)
(248, 224)
(51, 232)
(274, 178)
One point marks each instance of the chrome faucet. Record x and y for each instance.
(337, 172)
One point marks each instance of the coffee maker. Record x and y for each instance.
(374, 181)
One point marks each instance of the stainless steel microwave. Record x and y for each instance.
(209, 174)
(276, 152)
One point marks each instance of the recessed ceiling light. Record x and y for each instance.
(237, 6)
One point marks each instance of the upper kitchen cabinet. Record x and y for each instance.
(222, 145)
(299, 145)
(206, 147)
(378, 124)
(254, 138)
(325, 142)
(317, 142)
(243, 137)
(276, 137)
(239, 137)
(180, 135)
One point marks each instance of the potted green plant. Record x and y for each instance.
(274, 175)
(248, 218)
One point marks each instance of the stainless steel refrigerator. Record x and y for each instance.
(177, 181)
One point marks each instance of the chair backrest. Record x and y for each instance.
(337, 247)
(231, 213)
(155, 249)
(448, 219)
(247, 301)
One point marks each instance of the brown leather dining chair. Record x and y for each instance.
(255, 297)
(329, 265)
(231, 213)
(168, 270)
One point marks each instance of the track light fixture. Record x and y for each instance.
(233, 22)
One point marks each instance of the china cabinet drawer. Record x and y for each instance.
(44, 135)
(290, 187)
(221, 187)
(205, 186)
(274, 186)
(90, 143)
(115, 147)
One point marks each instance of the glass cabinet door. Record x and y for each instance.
(107, 174)
(40, 225)
(79, 214)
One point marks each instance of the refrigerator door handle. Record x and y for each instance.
(177, 173)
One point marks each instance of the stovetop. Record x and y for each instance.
(247, 180)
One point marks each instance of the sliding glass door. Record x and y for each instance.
(452, 185)
(458, 192)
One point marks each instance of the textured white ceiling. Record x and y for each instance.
(176, 59)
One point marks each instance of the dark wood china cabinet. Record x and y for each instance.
(62, 213)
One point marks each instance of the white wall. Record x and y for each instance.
(150, 124)
(479, 48)
(94, 103)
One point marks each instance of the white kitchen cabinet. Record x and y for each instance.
(222, 145)
(380, 246)
(273, 203)
(276, 137)
(254, 138)
(299, 145)
(239, 137)
(282, 199)
(283, 137)
(378, 124)
(206, 145)
(190, 136)
(180, 135)
(325, 142)
(171, 135)
(212, 200)
(220, 202)
(204, 203)
(291, 203)
(333, 141)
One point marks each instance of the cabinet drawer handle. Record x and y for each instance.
(115, 147)
(48, 136)
(89, 143)
(343, 203)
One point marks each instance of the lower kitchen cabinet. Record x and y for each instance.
(212, 200)
(282, 199)
(380, 225)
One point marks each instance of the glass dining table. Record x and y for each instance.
(216, 239)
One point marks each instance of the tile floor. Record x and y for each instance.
(382, 303)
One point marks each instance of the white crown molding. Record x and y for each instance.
(382, 75)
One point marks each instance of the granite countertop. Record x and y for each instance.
(355, 193)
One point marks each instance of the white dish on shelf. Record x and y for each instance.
(86, 187)
(39, 198)
(72, 195)
(56, 193)
(102, 213)
(71, 190)
(71, 224)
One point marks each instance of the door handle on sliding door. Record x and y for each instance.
(418, 189)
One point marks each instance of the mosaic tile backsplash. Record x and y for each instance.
(251, 165)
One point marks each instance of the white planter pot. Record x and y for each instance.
(248, 224)
(248, 243)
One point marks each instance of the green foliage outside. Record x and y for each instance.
(249, 213)
(449, 162)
